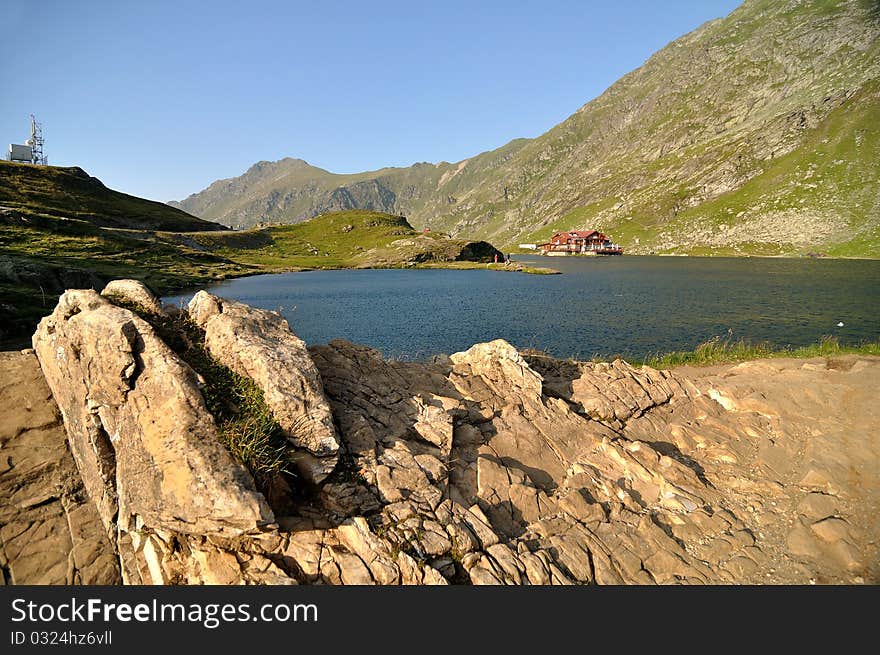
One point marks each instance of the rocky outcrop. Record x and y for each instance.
(582, 472)
(259, 344)
(134, 293)
(489, 466)
(526, 487)
(144, 442)
(139, 428)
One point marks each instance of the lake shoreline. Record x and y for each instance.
(633, 307)
(612, 474)
(605, 276)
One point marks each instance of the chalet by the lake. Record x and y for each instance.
(580, 242)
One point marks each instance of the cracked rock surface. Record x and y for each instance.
(50, 531)
(489, 466)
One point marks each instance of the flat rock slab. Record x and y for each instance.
(50, 531)
(607, 473)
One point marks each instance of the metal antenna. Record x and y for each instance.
(36, 142)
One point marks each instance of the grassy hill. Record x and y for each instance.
(823, 196)
(41, 255)
(753, 134)
(73, 193)
(346, 239)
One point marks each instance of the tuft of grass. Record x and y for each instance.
(245, 424)
(255, 440)
(726, 350)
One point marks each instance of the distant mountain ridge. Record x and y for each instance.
(757, 133)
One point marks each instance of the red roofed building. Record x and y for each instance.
(580, 242)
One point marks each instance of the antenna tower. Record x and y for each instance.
(36, 143)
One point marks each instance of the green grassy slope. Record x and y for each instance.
(822, 197)
(72, 193)
(346, 239)
(703, 117)
(41, 255)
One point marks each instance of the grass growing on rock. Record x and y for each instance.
(721, 351)
(245, 424)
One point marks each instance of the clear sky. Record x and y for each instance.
(159, 98)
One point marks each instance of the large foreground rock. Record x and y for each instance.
(259, 344)
(138, 427)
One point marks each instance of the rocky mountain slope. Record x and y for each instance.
(754, 134)
(485, 467)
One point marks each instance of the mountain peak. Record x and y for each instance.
(717, 144)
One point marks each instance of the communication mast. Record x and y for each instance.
(38, 157)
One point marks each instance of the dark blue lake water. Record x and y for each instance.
(615, 305)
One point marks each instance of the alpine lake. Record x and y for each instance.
(600, 306)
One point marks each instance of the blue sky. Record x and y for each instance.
(159, 98)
